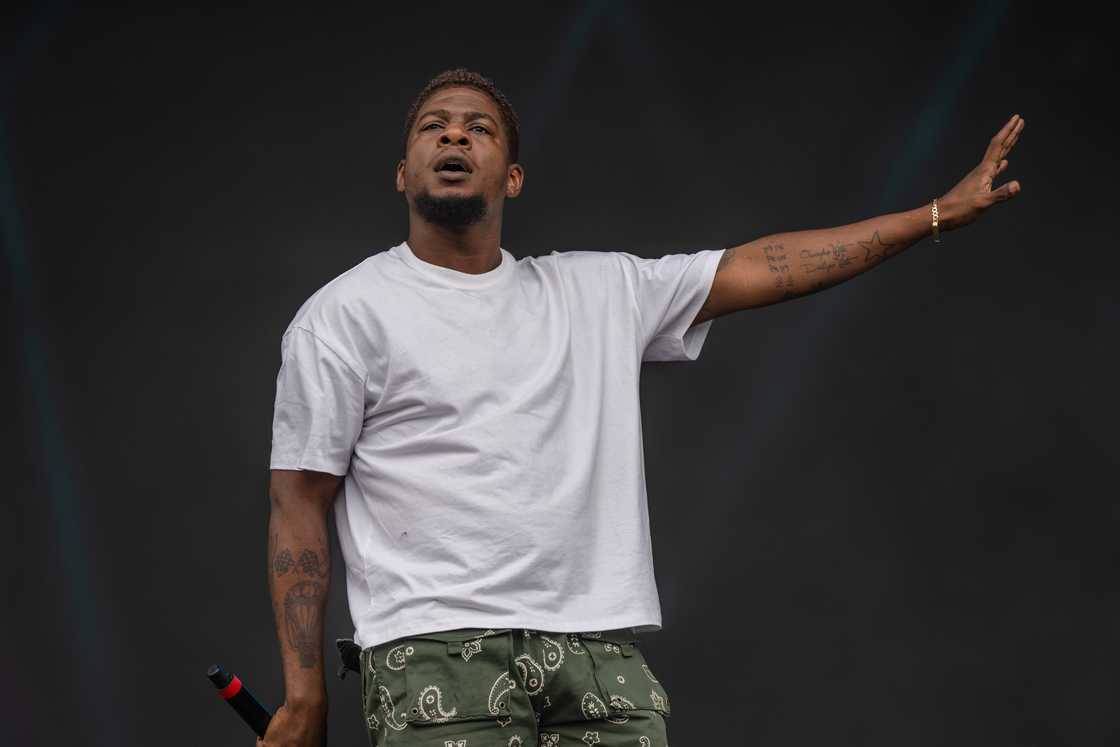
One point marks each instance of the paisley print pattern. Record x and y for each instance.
(501, 686)
(388, 708)
(398, 656)
(621, 703)
(532, 673)
(553, 654)
(429, 705)
(593, 707)
(471, 687)
(471, 648)
(574, 645)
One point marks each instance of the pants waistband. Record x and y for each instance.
(350, 653)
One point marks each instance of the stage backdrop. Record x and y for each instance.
(884, 514)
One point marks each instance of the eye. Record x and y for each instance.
(429, 125)
(480, 127)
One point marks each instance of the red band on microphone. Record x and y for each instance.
(233, 688)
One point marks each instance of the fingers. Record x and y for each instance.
(1006, 192)
(1001, 167)
(1003, 140)
(996, 143)
(1014, 136)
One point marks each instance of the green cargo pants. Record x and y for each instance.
(472, 687)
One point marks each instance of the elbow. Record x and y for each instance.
(302, 490)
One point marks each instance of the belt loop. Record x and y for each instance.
(454, 648)
(628, 648)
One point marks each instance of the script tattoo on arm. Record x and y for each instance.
(823, 260)
(778, 265)
(838, 261)
(787, 265)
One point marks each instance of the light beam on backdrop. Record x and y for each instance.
(559, 74)
(815, 337)
(92, 641)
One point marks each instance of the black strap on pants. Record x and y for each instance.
(350, 653)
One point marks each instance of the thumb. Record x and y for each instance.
(1006, 192)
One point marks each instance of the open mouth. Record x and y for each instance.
(453, 167)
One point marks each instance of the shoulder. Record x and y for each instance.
(341, 301)
(627, 262)
(582, 260)
(342, 315)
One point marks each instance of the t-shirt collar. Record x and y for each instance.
(455, 278)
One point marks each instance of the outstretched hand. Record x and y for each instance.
(974, 194)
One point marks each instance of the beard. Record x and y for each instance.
(454, 212)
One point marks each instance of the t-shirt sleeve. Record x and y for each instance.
(320, 406)
(670, 291)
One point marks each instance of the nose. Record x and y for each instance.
(455, 133)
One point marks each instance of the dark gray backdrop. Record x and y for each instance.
(883, 514)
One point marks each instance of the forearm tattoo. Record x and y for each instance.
(283, 563)
(309, 564)
(303, 619)
(875, 249)
(303, 602)
(779, 267)
(820, 265)
(822, 260)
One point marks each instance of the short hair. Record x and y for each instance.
(463, 77)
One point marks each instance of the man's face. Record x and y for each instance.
(457, 156)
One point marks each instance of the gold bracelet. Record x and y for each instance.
(936, 232)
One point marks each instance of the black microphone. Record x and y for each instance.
(237, 695)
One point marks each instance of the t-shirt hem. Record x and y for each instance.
(420, 627)
(682, 342)
(313, 464)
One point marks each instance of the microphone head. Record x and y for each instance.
(218, 676)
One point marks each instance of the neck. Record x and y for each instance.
(473, 250)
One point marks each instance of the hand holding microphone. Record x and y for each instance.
(299, 726)
(289, 727)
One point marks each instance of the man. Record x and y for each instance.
(484, 414)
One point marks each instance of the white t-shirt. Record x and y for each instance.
(489, 431)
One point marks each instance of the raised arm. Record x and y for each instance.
(298, 577)
(788, 265)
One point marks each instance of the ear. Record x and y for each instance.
(514, 179)
(400, 175)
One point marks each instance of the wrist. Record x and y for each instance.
(948, 212)
(308, 703)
